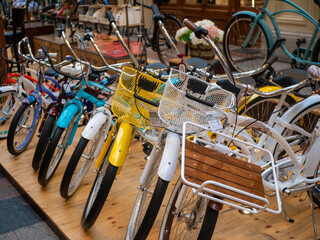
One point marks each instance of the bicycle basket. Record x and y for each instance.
(137, 93)
(226, 175)
(187, 98)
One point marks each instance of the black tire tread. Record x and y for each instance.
(72, 164)
(48, 157)
(153, 209)
(43, 141)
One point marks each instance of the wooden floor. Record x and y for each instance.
(113, 220)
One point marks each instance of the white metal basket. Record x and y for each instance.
(188, 98)
(224, 174)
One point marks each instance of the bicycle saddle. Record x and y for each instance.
(50, 72)
(289, 77)
(197, 62)
(227, 85)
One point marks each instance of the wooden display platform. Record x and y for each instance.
(113, 220)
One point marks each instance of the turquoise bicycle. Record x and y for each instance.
(248, 40)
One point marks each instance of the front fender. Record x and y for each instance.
(94, 125)
(169, 157)
(262, 23)
(67, 115)
(121, 145)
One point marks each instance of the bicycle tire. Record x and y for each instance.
(315, 57)
(43, 141)
(92, 211)
(209, 224)
(164, 51)
(51, 159)
(99, 191)
(15, 128)
(262, 108)
(238, 57)
(172, 221)
(152, 210)
(143, 200)
(7, 101)
(67, 186)
(35, 9)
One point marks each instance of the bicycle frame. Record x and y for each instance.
(261, 19)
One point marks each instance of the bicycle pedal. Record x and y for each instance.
(147, 148)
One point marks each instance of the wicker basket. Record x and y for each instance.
(201, 51)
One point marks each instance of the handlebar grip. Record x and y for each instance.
(198, 31)
(155, 104)
(155, 9)
(271, 60)
(110, 16)
(157, 16)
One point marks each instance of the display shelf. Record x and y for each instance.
(113, 220)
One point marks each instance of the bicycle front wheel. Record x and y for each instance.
(54, 154)
(7, 102)
(99, 191)
(164, 50)
(43, 141)
(22, 128)
(242, 56)
(187, 222)
(147, 191)
(78, 166)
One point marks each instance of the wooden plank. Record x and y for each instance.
(214, 158)
(202, 171)
(209, 154)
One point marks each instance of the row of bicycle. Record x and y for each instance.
(225, 158)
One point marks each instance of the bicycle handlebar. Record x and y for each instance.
(53, 67)
(31, 56)
(110, 16)
(203, 33)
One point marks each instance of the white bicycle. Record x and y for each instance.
(299, 175)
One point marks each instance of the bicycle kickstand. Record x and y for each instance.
(285, 212)
(313, 215)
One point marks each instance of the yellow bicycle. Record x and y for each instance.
(137, 93)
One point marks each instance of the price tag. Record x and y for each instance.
(214, 121)
(182, 72)
(155, 121)
(67, 89)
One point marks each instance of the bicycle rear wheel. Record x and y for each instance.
(22, 128)
(252, 56)
(172, 24)
(262, 108)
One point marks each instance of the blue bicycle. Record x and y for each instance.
(248, 40)
(68, 123)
